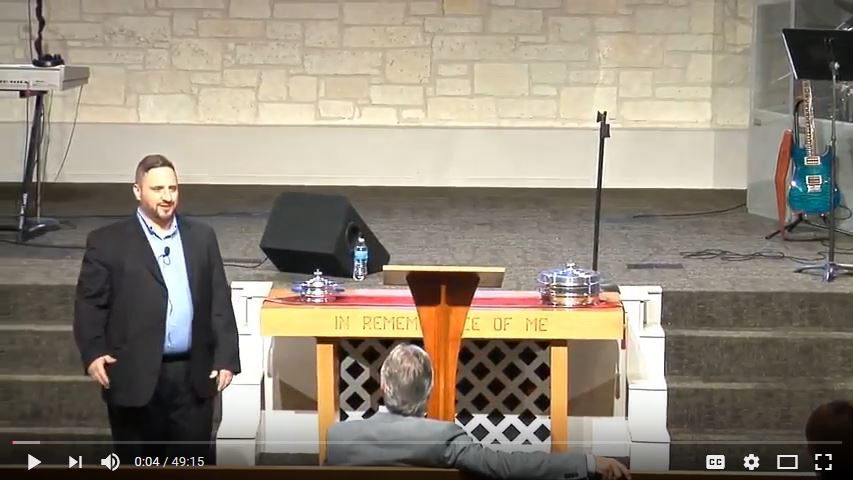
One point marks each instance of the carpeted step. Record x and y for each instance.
(756, 355)
(50, 401)
(36, 304)
(37, 348)
(55, 445)
(688, 451)
(698, 406)
(756, 310)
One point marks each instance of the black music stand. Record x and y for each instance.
(817, 55)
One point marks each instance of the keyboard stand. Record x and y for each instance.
(29, 226)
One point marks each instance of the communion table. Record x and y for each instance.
(387, 314)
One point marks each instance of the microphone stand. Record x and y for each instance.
(604, 285)
(603, 133)
(830, 268)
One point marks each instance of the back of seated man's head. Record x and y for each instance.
(406, 380)
(832, 422)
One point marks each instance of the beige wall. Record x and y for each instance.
(460, 62)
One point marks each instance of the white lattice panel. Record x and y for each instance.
(359, 382)
(503, 393)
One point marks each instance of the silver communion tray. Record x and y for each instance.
(318, 289)
(569, 286)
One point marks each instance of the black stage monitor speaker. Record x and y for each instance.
(309, 231)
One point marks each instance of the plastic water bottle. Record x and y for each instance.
(359, 257)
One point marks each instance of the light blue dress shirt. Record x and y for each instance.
(173, 267)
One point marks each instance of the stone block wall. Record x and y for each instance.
(649, 63)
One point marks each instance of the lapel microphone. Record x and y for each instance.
(166, 256)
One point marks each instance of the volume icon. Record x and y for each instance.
(111, 461)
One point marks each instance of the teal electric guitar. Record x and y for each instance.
(810, 191)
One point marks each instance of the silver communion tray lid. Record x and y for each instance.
(318, 289)
(568, 276)
(569, 286)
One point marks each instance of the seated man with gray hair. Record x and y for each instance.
(404, 437)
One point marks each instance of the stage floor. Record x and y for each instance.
(643, 235)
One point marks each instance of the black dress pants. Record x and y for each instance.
(175, 423)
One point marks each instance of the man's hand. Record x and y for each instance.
(97, 370)
(224, 380)
(611, 469)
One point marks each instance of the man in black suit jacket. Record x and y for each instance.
(154, 323)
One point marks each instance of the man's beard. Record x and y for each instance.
(167, 215)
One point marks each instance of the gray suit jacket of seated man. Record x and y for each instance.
(387, 439)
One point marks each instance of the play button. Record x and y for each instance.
(32, 462)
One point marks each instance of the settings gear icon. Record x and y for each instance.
(750, 462)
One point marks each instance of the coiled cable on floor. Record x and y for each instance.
(730, 256)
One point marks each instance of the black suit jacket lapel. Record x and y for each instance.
(142, 247)
(192, 251)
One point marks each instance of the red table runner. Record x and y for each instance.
(402, 298)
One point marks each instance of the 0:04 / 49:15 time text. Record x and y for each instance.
(168, 461)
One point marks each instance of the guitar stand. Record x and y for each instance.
(788, 228)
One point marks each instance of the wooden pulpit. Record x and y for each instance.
(442, 297)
